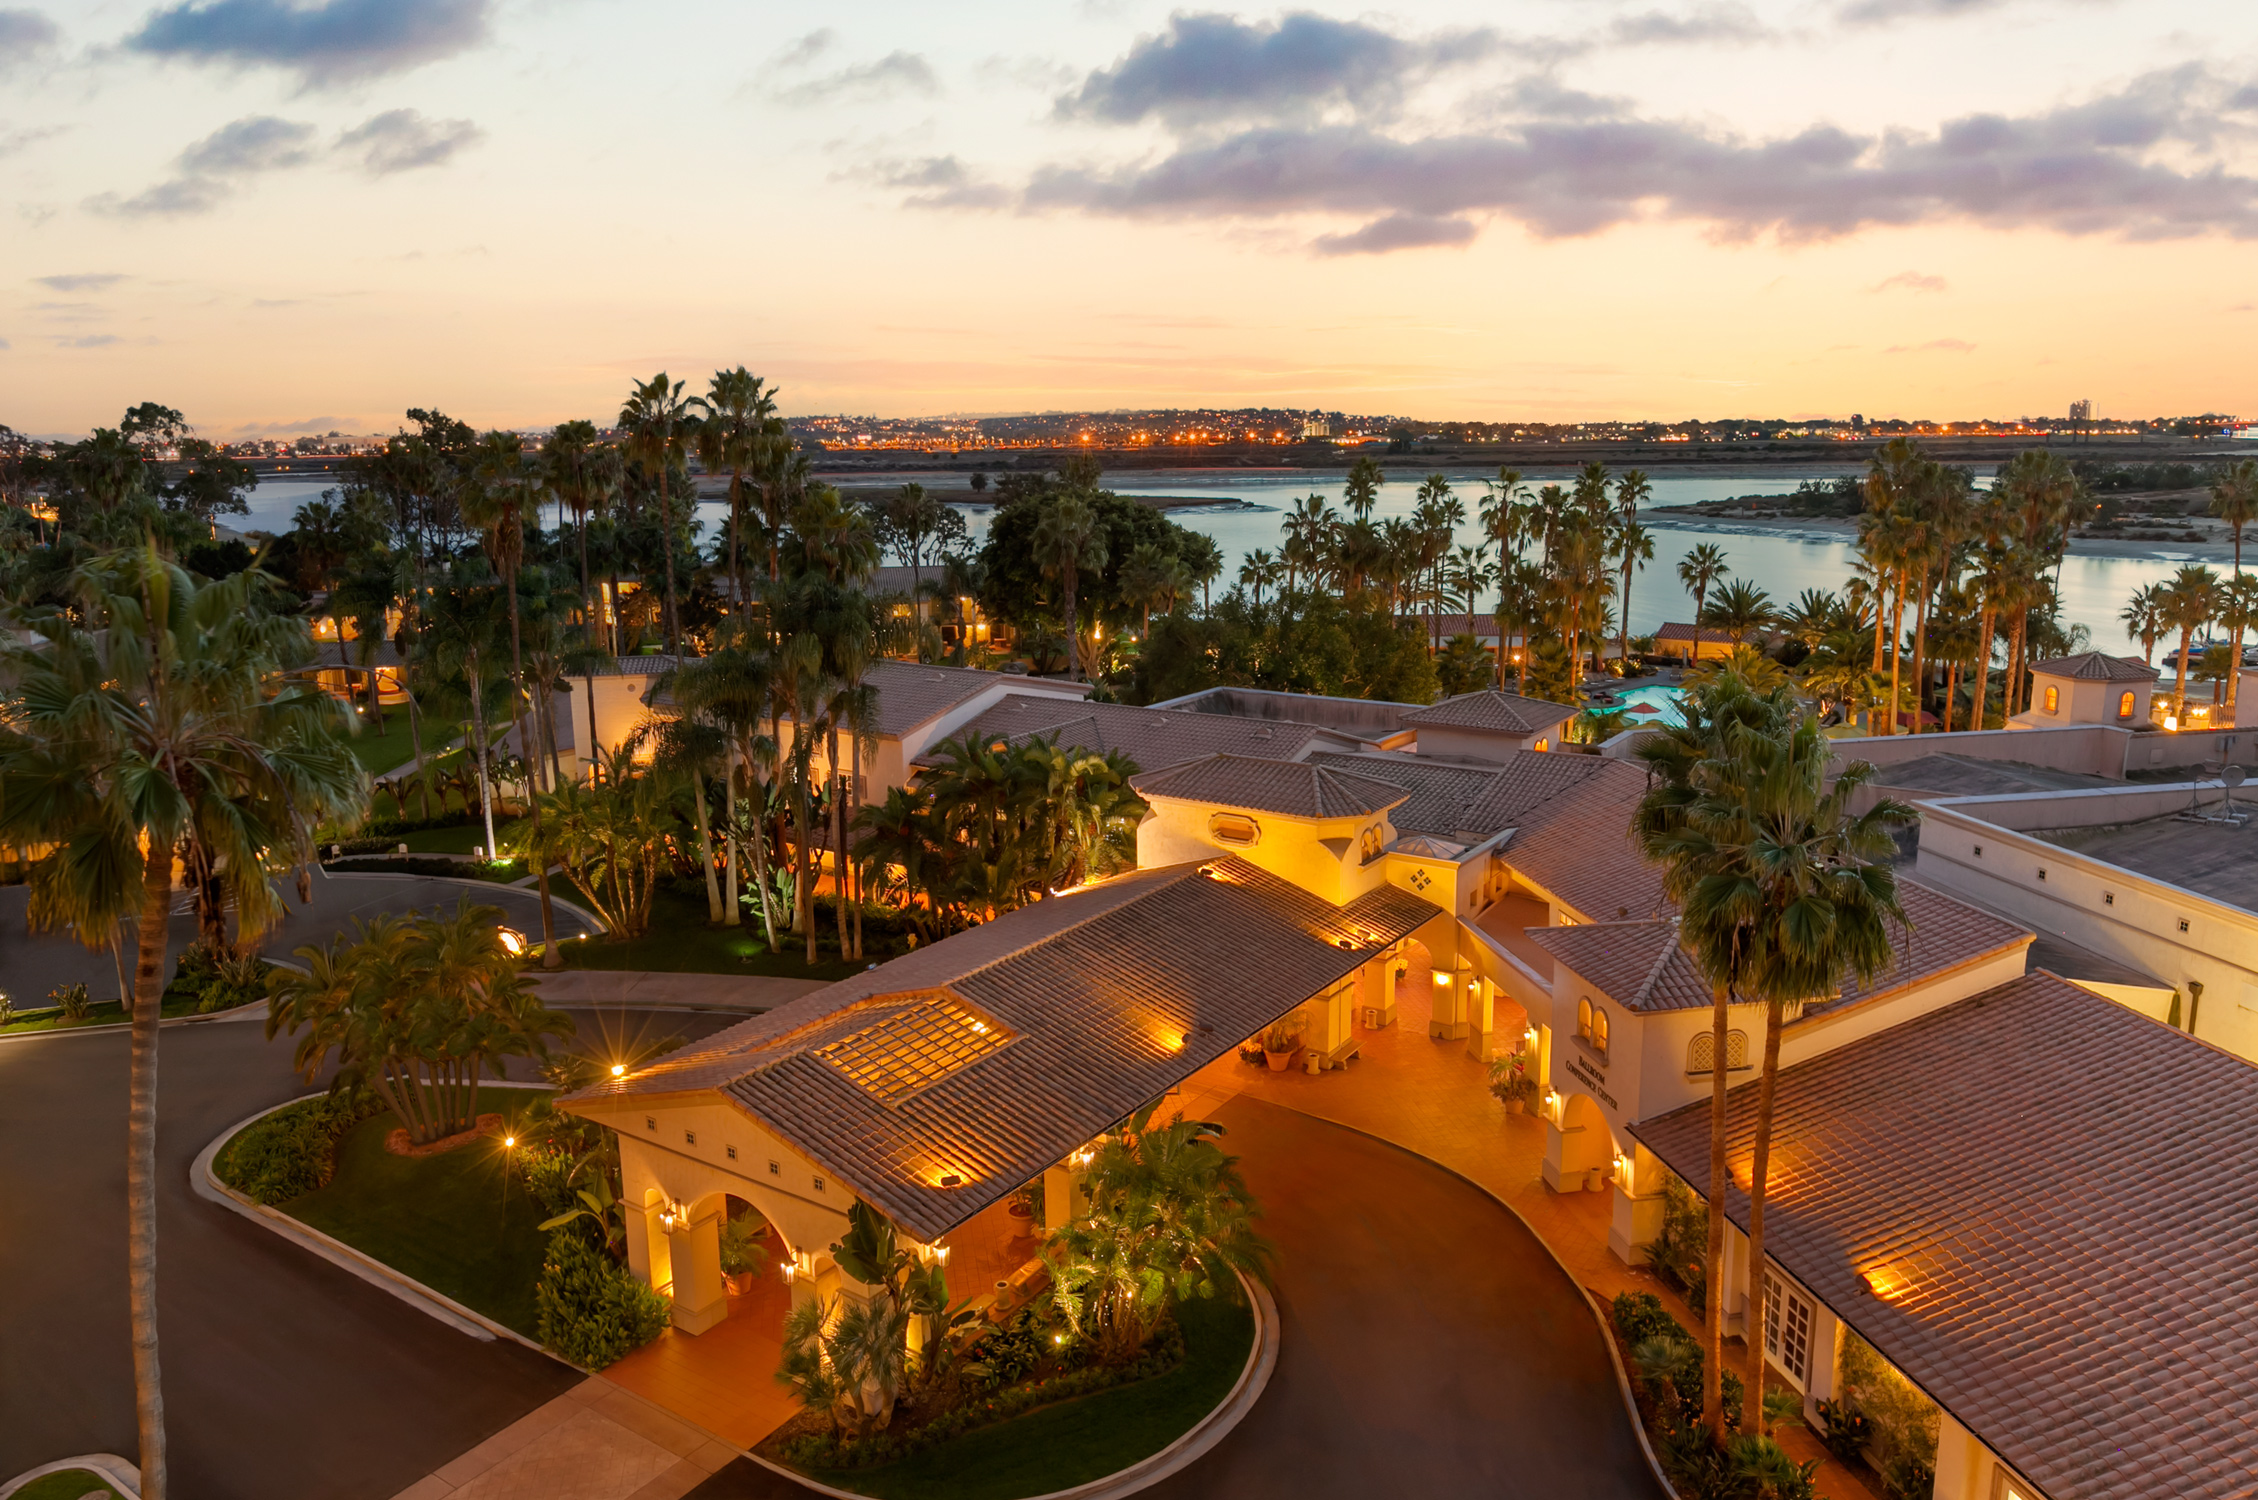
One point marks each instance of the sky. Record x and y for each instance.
(290, 216)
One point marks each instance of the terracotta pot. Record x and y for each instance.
(1279, 1061)
(1019, 1210)
(1514, 1106)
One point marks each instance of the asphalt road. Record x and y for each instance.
(33, 963)
(285, 1377)
(1430, 1345)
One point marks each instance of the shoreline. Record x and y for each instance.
(1831, 529)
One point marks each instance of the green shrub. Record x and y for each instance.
(547, 1173)
(1640, 1316)
(592, 1311)
(742, 1249)
(209, 983)
(72, 1000)
(293, 1151)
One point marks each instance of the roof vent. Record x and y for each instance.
(952, 1180)
(1263, 734)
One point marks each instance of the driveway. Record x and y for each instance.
(1430, 1345)
(285, 1377)
(31, 964)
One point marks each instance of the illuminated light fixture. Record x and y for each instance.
(2171, 721)
(1441, 979)
(514, 941)
(951, 1179)
(1884, 1283)
(619, 1070)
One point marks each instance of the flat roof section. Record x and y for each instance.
(1966, 776)
(2211, 859)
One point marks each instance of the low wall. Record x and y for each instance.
(2089, 749)
(2190, 747)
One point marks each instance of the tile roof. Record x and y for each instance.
(1294, 789)
(911, 695)
(1494, 711)
(2097, 666)
(1105, 998)
(1151, 739)
(1641, 965)
(1577, 845)
(2062, 1196)
(1706, 634)
(1453, 799)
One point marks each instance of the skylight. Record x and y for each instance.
(915, 1048)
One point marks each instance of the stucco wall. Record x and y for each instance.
(1323, 858)
(655, 1150)
(2093, 749)
(1469, 744)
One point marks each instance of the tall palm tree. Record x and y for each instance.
(1741, 608)
(1700, 569)
(2234, 499)
(1070, 539)
(2038, 490)
(2191, 601)
(1361, 492)
(1634, 549)
(738, 406)
(149, 726)
(1787, 892)
(659, 421)
(2143, 615)
(1680, 762)
(1260, 571)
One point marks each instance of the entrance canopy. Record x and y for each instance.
(936, 1084)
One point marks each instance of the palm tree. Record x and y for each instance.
(2143, 615)
(1698, 570)
(148, 727)
(1306, 527)
(1740, 608)
(1634, 547)
(659, 421)
(2234, 499)
(2191, 601)
(1070, 539)
(1202, 560)
(584, 476)
(2037, 489)
(1260, 571)
(731, 436)
(1361, 492)
(1787, 892)
(1680, 760)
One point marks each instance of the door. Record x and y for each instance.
(1787, 1330)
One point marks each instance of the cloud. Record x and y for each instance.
(25, 37)
(1208, 67)
(1398, 231)
(87, 341)
(1882, 12)
(803, 50)
(2141, 163)
(1711, 23)
(940, 182)
(400, 140)
(894, 74)
(1933, 346)
(336, 41)
(258, 143)
(81, 281)
(12, 141)
(1910, 281)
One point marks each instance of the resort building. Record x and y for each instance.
(1690, 643)
(2092, 687)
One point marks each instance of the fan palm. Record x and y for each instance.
(2234, 500)
(2191, 601)
(731, 436)
(1699, 570)
(1070, 540)
(659, 421)
(1741, 609)
(146, 726)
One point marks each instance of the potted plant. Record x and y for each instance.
(743, 1251)
(1511, 1083)
(1279, 1044)
(1027, 1203)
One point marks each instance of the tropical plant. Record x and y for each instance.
(1740, 609)
(417, 1009)
(1070, 542)
(151, 723)
(2190, 600)
(589, 1308)
(1699, 571)
(1170, 1218)
(659, 422)
(611, 836)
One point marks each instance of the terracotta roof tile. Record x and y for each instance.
(1450, 798)
(1152, 739)
(1493, 711)
(2097, 666)
(1290, 788)
(1108, 997)
(1706, 634)
(2067, 1193)
(1642, 966)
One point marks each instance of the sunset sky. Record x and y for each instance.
(297, 217)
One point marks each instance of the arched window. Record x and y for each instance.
(2125, 704)
(1599, 1032)
(1584, 1018)
(1701, 1052)
(2053, 700)
(1542, 745)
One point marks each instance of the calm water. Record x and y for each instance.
(1255, 502)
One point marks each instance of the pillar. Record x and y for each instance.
(1061, 1194)
(1636, 1220)
(1389, 967)
(701, 1297)
(1450, 976)
(1481, 1016)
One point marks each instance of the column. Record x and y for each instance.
(1637, 1218)
(1061, 1196)
(1481, 1014)
(701, 1297)
(1388, 967)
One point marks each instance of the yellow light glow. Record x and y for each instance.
(1885, 1283)
(619, 1070)
(509, 1140)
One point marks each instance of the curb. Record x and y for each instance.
(123, 1477)
(255, 1011)
(1254, 1379)
(595, 923)
(205, 1181)
(1606, 1335)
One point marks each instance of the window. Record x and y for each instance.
(776, 1169)
(2042, 872)
(1231, 828)
(1373, 845)
(2053, 700)
(2183, 924)
(732, 1150)
(1701, 1052)
(1979, 851)
(1591, 1026)
(1543, 745)
(2005, 1486)
(650, 1122)
(819, 1184)
(2108, 898)
(1787, 1329)
(2125, 705)
(689, 1138)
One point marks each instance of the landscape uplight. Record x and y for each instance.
(619, 1070)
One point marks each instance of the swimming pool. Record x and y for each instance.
(1664, 700)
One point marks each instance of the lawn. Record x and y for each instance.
(681, 942)
(458, 839)
(66, 1484)
(379, 753)
(100, 1013)
(1075, 1442)
(453, 1222)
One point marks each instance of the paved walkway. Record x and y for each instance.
(629, 989)
(594, 1442)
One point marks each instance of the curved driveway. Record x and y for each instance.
(1431, 1345)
